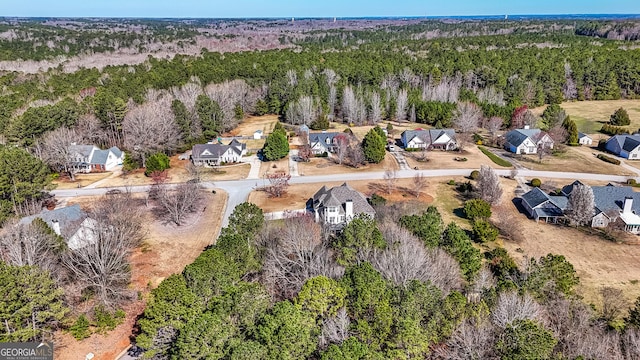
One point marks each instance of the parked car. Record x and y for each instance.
(113, 192)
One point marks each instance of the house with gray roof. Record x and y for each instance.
(323, 142)
(339, 205)
(211, 154)
(71, 223)
(625, 146)
(584, 139)
(527, 141)
(90, 158)
(610, 204)
(434, 139)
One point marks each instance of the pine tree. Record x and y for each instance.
(373, 146)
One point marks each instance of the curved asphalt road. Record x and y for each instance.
(239, 190)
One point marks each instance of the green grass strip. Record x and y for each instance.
(495, 158)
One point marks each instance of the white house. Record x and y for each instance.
(527, 141)
(71, 223)
(257, 135)
(435, 139)
(625, 146)
(89, 158)
(584, 139)
(337, 206)
(216, 154)
(323, 142)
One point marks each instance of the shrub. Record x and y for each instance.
(632, 182)
(451, 182)
(80, 328)
(536, 182)
(602, 144)
(156, 162)
(475, 174)
(496, 159)
(484, 231)
(129, 164)
(105, 321)
(613, 130)
(620, 118)
(376, 199)
(323, 155)
(477, 209)
(608, 159)
(465, 187)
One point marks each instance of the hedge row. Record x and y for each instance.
(608, 159)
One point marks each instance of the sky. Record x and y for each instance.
(308, 8)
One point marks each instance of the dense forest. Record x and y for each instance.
(397, 287)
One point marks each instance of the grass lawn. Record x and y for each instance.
(590, 115)
(81, 180)
(496, 159)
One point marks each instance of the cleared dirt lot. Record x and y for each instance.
(590, 115)
(446, 159)
(166, 250)
(253, 123)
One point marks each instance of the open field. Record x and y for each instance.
(81, 180)
(590, 115)
(274, 166)
(253, 123)
(166, 250)
(324, 166)
(574, 159)
(361, 131)
(445, 159)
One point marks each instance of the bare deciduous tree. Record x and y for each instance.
(335, 330)
(467, 117)
(470, 341)
(150, 128)
(278, 184)
(402, 100)
(341, 142)
(489, 187)
(390, 180)
(446, 90)
(631, 344)
(90, 131)
(375, 111)
(294, 254)
(28, 245)
(55, 150)
(613, 303)
(418, 184)
(103, 263)
(581, 205)
(406, 259)
(176, 204)
(303, 111)
(493, 126)
(511, 306)
(491, 95)
(508, 224)
(569, 89)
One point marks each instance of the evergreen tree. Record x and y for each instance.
(572, 130)
(210, 116)
(620, 118)
(373, 146)
(276, 146)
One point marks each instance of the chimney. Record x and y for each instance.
(348, 209)
(526, 127)
(628, 203)
(55, 226)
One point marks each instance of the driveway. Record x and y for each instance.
(399, 156)
(254, 172)
(293, 163)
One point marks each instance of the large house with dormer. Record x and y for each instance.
(90, 158)
(610, 204)
(71, 223)
(434, 139)
(324, 142)
(527, 141)
(338, 205)
(211, 154)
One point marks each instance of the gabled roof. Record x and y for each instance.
(582, 135)
(338, 196)
(322, 137)
(84, 150)
(99, 157)
(214, 151)
(69, 218)
(428, 136)
(117, 152)
(626, 142)
(518, 136)
(567, 189)
(608, 198)
(535, 197)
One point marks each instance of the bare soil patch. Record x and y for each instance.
(166, 250)
(361, 131)
(324, 166)
(254, 123)
(447, 159)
